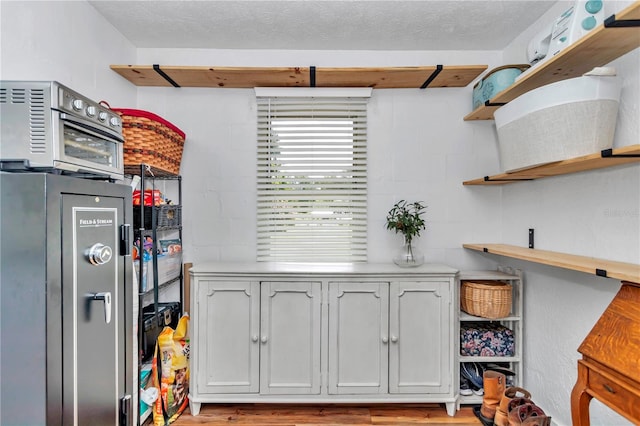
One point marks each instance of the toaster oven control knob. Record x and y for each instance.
(99, 254)
(78, 104)
(114, 121)
(91, 111)
(593, 6)
(589, 23)
(102, 116)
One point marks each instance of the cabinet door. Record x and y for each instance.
(358, 337)
(420, 335)
(227, 341)
(290, 338)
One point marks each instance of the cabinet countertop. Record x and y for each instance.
(317, 269)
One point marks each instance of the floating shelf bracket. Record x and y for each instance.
(312, 76)
(490, 104)
(531, 238)
(608, 153)
(432, 77)
(611, 22)
(156, 68)
(490, 179)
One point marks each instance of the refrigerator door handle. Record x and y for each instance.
(106, 298)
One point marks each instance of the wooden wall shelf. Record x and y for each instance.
(596, 49)
(606, 158)
(248, 77)
(604, 268)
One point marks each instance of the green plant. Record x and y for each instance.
(406, 218)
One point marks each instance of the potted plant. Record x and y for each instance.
(406, 218)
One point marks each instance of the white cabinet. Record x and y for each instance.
(257, 337)
(290, 338)
(513, 322)
(358, 337)
(226, 325)
(389, 337)
(420, 351)
(286, 333)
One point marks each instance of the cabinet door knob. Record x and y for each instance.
(264, 339)
(254, 338)
(384, 339)
(394, 339)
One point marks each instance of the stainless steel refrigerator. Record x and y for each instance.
(66, 326)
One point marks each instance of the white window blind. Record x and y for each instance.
(312, 179)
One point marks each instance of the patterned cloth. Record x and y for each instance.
(486, 339)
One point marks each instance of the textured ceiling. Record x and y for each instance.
(322, 25)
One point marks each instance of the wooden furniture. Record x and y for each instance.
(610, 366)
(590, 265)
(513, 321)
(618, 35)
(313, 333)
(418, 77)
(606, 158)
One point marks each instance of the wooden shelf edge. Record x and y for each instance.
(418, 77)
(619, 156)
(464, 317)
(598, 48)
(601, 267)
(474, 358)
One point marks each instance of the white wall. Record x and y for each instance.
(420, 148)
(67, 41)
(594, 213)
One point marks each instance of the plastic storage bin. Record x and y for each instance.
(153, 325)
(559, 121)
(168, 269)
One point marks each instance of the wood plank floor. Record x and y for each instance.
(309, 415)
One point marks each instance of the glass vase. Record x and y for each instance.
(409, 255)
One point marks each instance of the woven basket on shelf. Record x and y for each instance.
(151, 140)
(486, 299)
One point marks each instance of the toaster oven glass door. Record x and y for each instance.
(90, 146)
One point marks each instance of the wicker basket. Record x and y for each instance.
(486, 299)
(150, 139)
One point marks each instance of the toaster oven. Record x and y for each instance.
(45, 126)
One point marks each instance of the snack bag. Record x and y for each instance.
(170, 372)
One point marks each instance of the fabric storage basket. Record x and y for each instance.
(559, 121)
(486, 299)
(152, 140)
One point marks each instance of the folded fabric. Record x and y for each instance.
(486, 339)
